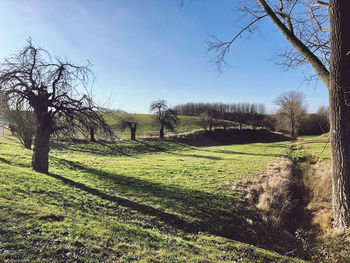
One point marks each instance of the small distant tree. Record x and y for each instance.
(56, 90)
(292, 108)
(270, 122)
(21, 121)
(164, 116)
(224, 124)
(256, 115)
(204, 120)
(208, 119)
(240, 113)
(129, 121)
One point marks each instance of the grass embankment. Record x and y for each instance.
(151, 201)
(149, 128)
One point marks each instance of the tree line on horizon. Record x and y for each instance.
(291, 117)
(253, 114)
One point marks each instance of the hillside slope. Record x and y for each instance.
(150, 201)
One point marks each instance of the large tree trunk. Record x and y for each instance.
(40, 159)
(161, 132)
(340, 110)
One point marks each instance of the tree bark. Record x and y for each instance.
(92, 135)
(133, 134)
(40, 159)
(340, 110)
(161, 132)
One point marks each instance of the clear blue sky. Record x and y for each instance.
(144, 50)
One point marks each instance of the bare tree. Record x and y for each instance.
(56, 90)
(165, 117)
(129, 121)
(292, 108)
(209, 119)
(318, 34)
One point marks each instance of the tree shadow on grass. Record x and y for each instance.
(192, 141)
(242, 153)
(218, 213)
(125, 148)
(144, 209)
(172, 152)
(5, 161)
(99, 148)
(209, 157)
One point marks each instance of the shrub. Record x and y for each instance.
(313, 124)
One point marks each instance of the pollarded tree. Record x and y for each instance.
(57, 92)
(165, 117)
(318, 34)
(292, 108)
(129, 121)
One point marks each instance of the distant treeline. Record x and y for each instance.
(253, 114)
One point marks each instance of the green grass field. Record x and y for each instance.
(150, 201)
(149, 128)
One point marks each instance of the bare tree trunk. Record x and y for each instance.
(133, 133)
(293, 127)
(40, 159)
(340, 111)
(161, 132)
(92, 135)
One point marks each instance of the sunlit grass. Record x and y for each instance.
(111, 202)
(319, 146)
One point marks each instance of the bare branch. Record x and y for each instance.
(221, 49)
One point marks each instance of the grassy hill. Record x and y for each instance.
(146, 201)
(148, 127)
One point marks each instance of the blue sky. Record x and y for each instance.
(143, 50)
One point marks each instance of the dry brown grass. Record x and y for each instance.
(276, 193)
(273, 194)
(318, 183)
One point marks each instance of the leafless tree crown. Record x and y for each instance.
(304, 23)
(34, 76)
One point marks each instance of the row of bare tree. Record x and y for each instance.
(253, 114)
(164, 117)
